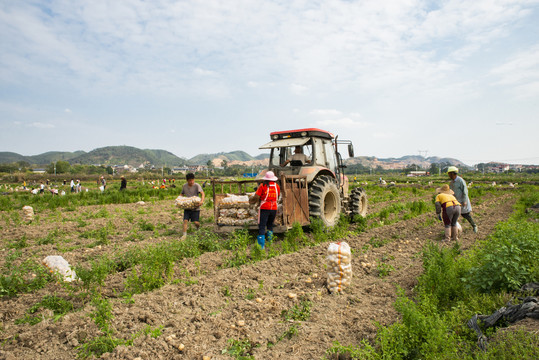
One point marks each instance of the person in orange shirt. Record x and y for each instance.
(447, 204)
(268, 194)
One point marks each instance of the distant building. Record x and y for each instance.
(179, 170)
(119, 169)
(189, 168)
(418, 173)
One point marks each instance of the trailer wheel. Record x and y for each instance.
(358, 202)
(325, 200)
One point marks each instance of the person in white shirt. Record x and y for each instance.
(298, 156)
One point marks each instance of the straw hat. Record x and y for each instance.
(444, 189)
(270, 176)
(452, 169)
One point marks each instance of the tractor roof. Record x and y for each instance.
(310, 132)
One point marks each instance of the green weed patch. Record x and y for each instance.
(453, 287)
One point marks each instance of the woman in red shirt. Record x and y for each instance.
(268, 193)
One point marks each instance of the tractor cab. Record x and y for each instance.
(307, 152)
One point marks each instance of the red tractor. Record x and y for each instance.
(313, 154)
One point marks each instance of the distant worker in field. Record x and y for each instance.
(268, 194)
(449, 207)
(72, 185)
(458, 185)
(123, 183)
(298, 156)
(103, 183)
(190, 189)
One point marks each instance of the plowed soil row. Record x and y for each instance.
(220, 304)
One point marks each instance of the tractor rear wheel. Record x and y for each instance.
(358, 202)
(325, 200)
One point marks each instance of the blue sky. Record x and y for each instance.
(455, 78)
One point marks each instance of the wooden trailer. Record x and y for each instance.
(293, 205)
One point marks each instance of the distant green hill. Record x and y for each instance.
(202, 159)
(7, 157)
(164, 157)
(122, 155)
(262, 156)
(41, 159)
(239, 156)
(52, 156)
(110, 155)
(128, 155)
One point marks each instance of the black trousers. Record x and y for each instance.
(267, 217)
(468, 216)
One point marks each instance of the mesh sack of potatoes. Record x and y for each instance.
(187, 202)
(60, 265)
(232, 201)
(236, 210)
(28, 213)
(239, 216)
(235, 221)
(339, 260)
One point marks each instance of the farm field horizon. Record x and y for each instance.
(143, 293)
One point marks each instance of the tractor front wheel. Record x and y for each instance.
(325, 200)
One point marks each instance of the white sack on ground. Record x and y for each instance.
(339, 267)
(61, 266)
(28, 213)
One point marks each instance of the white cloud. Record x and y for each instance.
(298, 89)
(384, 135)
(396, 61)
(204, 72)
(333, 118)
(333, 45)
(520, 72)
(40, 125)
(68, 111)
(325, 112)
(260, 85)
(345, 122)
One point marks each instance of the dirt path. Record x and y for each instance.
(221, 304)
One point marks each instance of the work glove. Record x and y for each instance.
(439, 217)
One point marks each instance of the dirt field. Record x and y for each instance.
(219, 304)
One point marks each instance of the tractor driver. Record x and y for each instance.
(298, 156)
